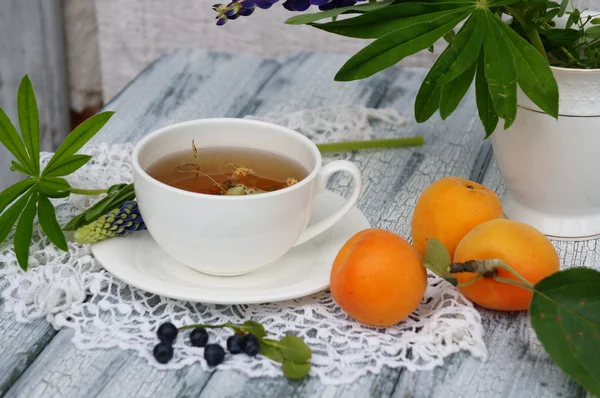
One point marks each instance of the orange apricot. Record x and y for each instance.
(525, 249)
(378, 278)
(449, 208)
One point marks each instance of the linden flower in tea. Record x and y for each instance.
(228, 171)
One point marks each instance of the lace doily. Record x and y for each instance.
(72, 290)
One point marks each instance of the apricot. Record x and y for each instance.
(525, 249)
(449, 208)
(378, 278)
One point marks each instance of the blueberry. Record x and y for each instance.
(167, 333)
(235, 344)
(199, 337)
(163, 352)
(214, 354)
(251, 345)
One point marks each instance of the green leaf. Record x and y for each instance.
(563, 8)
(565, 314)
(115, 197)
(49, 223)
(308, 18)
(10, 216)
(269, 351)
(254, 328)
(593, 32)
(457, 58)
(16, 166)
(561, 37)
(12, 141)
(11, 193)
(66, 165)
(54, 187)
(454, 91)
(395, 46)
(501, 3)
(29, 121)
(463, 52)
(380, 22)
(534, 74)
(24, 231)
(78, 137)
(485, 107)
(500, 71)
(595, 21)
(437, 260)
(427, 101)
(295, 371)
(293, 348)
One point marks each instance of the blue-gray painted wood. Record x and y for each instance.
(187, 85)
(32, 42)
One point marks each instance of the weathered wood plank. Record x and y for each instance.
(32, 42)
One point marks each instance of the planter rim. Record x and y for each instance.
(574, 70)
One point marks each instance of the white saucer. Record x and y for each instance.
(138, 261)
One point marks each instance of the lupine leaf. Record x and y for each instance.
(454, 58)
(29, 121)
(454, 91)
(485, 108)
(500, 71)
(11, 215)
(466, 50)
(66, 165)
(427, 101)
(534, 74)
(11, 193)
(48, 222)
(24, 231)
(54, 187)
(308, 18)
(16, 166)
(500, 3)
(378, 23)
(395, 46)
(565, 314)
(78, 137)
(12, 141)
(563, 8)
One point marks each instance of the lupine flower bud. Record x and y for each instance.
(118, 222)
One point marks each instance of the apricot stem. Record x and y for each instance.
(507, 267)
(470, 282)
(527, 286)
(485, 267)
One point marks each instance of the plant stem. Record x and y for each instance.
(88, 191)
(470, 282)
(513, 282)
(354, 145)
(532, 34)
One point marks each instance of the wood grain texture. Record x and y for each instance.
(187, 85)
(32, 42)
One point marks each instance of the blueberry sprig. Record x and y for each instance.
(249, 338)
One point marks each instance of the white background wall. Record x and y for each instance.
(131, 33)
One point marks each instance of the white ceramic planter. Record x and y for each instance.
(552, 167)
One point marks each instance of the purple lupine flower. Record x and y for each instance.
(244, 8)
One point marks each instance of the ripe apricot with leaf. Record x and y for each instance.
(378, 278)
(449, 208)
(522, 247)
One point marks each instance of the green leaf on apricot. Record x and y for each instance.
(437, 260)
(565, 314)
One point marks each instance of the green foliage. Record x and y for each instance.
(21, 202)
(502, 45)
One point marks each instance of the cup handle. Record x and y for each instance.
(326, 173)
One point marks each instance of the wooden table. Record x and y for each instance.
(37, 361)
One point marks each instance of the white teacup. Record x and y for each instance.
(233, 235)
